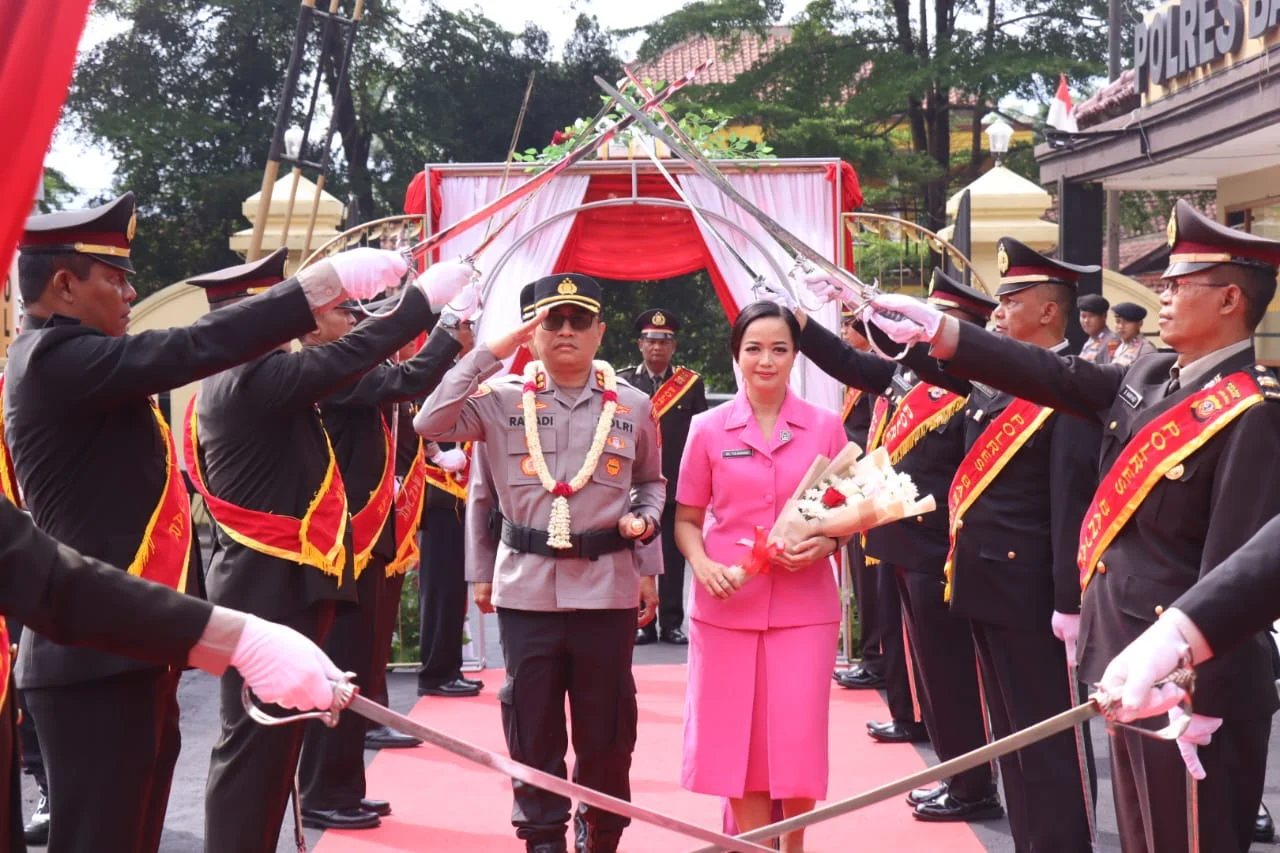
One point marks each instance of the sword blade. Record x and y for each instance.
(524, 773)
(1061, 722)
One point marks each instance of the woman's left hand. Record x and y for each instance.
(807, 552)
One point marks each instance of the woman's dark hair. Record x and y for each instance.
(759, 311)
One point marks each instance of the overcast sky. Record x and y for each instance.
(92, 170)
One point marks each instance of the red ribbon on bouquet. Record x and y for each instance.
(761, 553)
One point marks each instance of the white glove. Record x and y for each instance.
(768, 291)
(921, 324)
(1198, 733)
(1132, 674)
(450, 460)
(1066, 627)
(822, 285)
(465, 305)
(366, 272)
(283, 667)
(442, 282)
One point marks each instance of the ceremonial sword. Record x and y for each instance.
(857, 293)
(347, 697)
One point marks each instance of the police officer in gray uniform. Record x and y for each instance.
(567, 580)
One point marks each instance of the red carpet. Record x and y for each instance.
(443, 803)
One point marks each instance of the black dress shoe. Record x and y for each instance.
(381, 808)
(674, 636)
(557, 846)
(948, 808)
(645, 637)
(895, 732)
(590, 839)
(479, 685)
(857, 678)
(1264, 829)
(339, 819)
(384, 737)
(37, 829)
(457, 687)
(926, 795)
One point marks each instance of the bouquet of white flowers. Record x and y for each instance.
(837, 498)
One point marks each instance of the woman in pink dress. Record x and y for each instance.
(760, 650)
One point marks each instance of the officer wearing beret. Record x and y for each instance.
(260, 456)
(1133, 344)
(677, 394)
(576, 465)
(96, 462)
(1188, 469)
(921, 426)
(1101, 342)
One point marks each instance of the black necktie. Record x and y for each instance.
(1172, 387)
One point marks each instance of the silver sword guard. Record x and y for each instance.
(344, 690)
(1184, 677)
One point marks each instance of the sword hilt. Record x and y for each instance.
(344, 690)
(1184, 677)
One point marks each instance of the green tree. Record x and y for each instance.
(882, 83)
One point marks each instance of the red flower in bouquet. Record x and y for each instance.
(833, 498)
(559, 138)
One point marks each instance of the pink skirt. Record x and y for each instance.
(756, 710)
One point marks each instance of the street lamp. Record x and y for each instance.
(998, 136)
(293, 142)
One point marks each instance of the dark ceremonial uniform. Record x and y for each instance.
(442, 597)
(1101, 347)
(99, 473)
(940, 642)
(263, 453)
(1240, 597)
(1016, 505)
(567, 622)
(331, 767)
(79, 601)
(1195, 497)
(678, 395)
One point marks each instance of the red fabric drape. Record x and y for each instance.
(619, 242)
(850, 200)
(37, 55)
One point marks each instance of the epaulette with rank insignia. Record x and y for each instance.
(1267, 382)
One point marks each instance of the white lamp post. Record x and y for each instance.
(998, 136)
(293, 142)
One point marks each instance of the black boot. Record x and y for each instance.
(591, 839)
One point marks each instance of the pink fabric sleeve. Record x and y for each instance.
(695, 467)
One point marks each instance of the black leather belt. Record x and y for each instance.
(589, 545)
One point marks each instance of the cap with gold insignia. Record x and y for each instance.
(1130, 311)
(1021, 267)
(104, 233)
(947, 292)
(847, 314)
(567, 289)
(526, 302)
(243, 279)
(657, 324)
(1197, 243)
(1093, 303)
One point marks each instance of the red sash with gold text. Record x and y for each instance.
(1156, 451)
(670, 392)
(924, 408)
(314, 540)
(999, 442)
(367, 523)
(409, 501)
(851, 397)
(453, 482)
(165, 552)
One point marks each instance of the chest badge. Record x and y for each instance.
(785, 435)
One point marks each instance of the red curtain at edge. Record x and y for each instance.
(37, 55)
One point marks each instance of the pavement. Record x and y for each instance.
(198, 696)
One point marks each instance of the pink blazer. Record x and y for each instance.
(742, 481)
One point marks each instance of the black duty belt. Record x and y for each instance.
(589, 545)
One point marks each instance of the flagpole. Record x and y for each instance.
(1114, 23)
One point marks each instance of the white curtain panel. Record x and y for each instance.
(533, 259)
(804, 203)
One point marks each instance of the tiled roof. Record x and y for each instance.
(749, 50)
(1114, 99)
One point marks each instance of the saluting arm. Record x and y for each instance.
(409, 380)
(103, 370)
(842, 362)
(451, 413)
(1066, 383)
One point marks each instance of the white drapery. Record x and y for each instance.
(803, 203)
(535, 258)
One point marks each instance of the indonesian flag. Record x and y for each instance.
(1062, 113)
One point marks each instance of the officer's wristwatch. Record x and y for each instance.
(449, 320)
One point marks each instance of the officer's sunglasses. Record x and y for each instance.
(579, 321)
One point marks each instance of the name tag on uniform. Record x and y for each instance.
(1131, 397)
(746, 451)
(903, 382)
